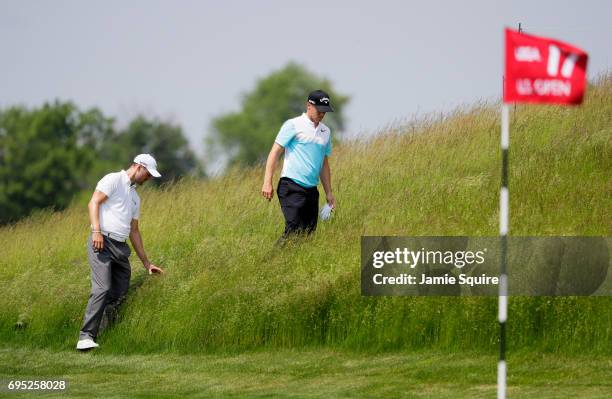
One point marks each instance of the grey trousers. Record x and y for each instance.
(110, 280)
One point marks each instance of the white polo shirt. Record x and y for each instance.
(306, 147)
(122, 205)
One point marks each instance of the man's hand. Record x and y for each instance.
(267, 191)
(154, 269)
(331, 200)
(97, 241)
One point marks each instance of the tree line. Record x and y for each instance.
(50, 153)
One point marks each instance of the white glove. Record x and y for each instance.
(326, 212)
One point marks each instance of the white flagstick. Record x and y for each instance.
(503, 236)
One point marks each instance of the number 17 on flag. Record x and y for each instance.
(543, 70)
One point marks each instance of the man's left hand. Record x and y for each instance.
(154, 269)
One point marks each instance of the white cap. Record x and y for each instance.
(148, 162)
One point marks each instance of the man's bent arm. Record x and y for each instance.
(93, 206)
(96, 200)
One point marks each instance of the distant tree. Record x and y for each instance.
(246, 136)
(96, 133)
(41, 162)
(49, 154)
(165, 141)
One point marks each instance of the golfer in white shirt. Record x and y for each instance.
(114, 210)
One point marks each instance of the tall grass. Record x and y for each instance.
(228, 288)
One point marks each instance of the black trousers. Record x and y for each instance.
(300, 206)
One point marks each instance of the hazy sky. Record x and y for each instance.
(192, 60)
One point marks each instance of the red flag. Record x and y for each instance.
(542, 70)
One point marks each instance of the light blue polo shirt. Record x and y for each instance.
(305, 149)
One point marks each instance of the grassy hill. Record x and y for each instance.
(228, 288)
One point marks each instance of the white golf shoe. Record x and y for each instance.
(86, 344)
